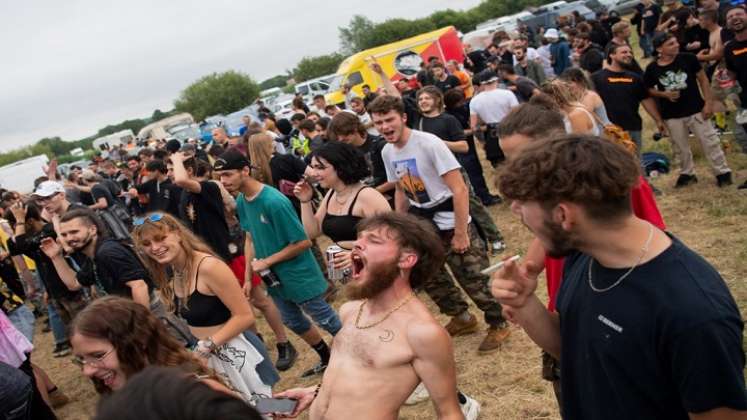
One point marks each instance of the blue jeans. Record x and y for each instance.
(646, 45)
(16, 393)
(23, 319)
(55, 323)
(317, 308)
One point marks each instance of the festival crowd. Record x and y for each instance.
(148, 268)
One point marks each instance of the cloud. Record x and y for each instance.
(73, 67)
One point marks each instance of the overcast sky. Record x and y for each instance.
(72, 67)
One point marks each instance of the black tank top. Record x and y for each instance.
(341, 228)
(203, 310)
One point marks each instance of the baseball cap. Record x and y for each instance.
(48, 189)
(551, 33)
(659, 39)
(231, 159)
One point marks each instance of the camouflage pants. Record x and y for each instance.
(466, 269)
(480, 216)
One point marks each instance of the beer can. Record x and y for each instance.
(334, 274)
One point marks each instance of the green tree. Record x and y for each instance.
(311, 67)
(217, 93)
(356, 35)
(278, 81)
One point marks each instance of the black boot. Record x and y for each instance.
(287, 356)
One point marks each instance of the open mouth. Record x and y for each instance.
(358, 265)
(107, 379)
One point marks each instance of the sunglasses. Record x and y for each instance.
(152, 218)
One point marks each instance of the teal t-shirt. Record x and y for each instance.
(273, 224)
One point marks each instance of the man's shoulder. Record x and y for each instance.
(108, 247)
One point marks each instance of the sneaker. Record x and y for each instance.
(457, 327)
(491, 200)
(61, 349)
(723, 179)
(419, 395)
(318, 369)
(685, 180)
(470, 408)
(743, 186)
(287, 356)
(58, 398)
(497, 247)
(494, 338)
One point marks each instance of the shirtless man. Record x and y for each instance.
(389, 341)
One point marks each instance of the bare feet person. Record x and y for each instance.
(389, 341)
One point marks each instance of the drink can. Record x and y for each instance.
(268, 277)
(333, 273)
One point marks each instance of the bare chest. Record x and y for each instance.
(383, 346)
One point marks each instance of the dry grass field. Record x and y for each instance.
(507, 383)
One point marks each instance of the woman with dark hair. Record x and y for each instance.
(165, 393)
(204, 292)
(114, 338)
(340, 168)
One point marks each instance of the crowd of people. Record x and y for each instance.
(149, 267)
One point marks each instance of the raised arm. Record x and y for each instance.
(181, 177)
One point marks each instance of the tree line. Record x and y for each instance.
(223, 93)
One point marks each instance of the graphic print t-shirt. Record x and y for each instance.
(679, 75)
(417, 169)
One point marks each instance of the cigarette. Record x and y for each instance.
(495, 267)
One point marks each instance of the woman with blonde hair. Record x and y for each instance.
(205, 293)
(281, 171)
(576, 118)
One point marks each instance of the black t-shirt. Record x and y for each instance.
(450, 82)
(462, 115)
(591, 59)
(443, 126)
(162, 196)
(28, 245)
(664, 342)
(100, 191)
(114, 265)
(478, 59)
(650, 18)
(735, 56)
(204, 213)
(621, 94)
(695, 34)
(371, 150)
(679, 75)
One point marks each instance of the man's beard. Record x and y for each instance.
(381, 277)
(561, 244)
(83, 244)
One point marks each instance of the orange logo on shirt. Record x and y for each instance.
(620, 80)
(740, 52)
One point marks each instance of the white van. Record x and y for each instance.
(106, 143)
(313, 87)
(19, 176)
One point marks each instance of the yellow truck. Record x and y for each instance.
(399, 60)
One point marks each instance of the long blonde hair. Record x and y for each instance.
(562, 93)
(260, 148)
(188, 241)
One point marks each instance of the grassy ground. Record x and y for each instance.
(507, 383)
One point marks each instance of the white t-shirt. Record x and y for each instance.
(417, 168)
(365, 119)
(493, 105)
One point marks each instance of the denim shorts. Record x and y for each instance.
(23, 319)
(317, 308)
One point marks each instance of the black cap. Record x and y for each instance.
(487, 76)
(659, 39)
(232, 159)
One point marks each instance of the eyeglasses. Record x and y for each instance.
(92, 361)
(155, 217)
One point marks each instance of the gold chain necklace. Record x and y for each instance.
(387, 315)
